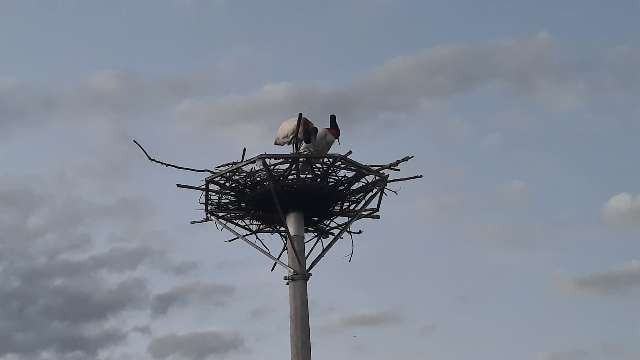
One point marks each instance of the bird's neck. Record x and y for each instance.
(333, 132)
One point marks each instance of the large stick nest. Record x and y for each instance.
(333, 192)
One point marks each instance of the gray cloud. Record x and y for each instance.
(61, 314)
(196, 345)
(64, 306)
(602, 351)
(535, 66)
(142, 329)
(114, 260)
(619, 280)
(363, 320)
(260, 312)
(564, 355)
(106, 94)
(62, 287)
(532, 66)
(199, 293)
(73, 265)
(19, 102)
(369, 319)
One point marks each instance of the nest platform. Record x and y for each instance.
(332, 191)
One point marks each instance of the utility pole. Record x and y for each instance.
(298, 297)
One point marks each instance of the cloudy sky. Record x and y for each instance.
(521, 242)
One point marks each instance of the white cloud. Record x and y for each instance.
(622, 209)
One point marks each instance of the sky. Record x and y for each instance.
(520, 242)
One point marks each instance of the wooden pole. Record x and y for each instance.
(298, 296)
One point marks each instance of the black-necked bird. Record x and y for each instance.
(287, 132)
(321, 143)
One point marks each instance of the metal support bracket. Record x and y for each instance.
(243, 238)
(297, 277)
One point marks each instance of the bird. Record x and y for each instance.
(321, 143)
(286, 134)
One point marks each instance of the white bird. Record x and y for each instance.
(321, 143)
(287, 131)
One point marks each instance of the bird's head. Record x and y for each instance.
(334, 129)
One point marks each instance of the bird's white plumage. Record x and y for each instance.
(321, 144)
(286, 131)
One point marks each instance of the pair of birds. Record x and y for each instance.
(313, 140)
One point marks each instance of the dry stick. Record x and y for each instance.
(255, 234)
(170, 165)
(191, 187)
(249, 234)
(245, 228)
(393, 164)
(233, 163)
(406, 178)
(352, 245)
(342, 231)
(312, 247)
(231, 168)
(276, 202)
(279, 255)
(326, 170)
(221, 223)
(381, 195)
(199, 221)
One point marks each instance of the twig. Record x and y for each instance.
(199, 221)
(393, 191)
(393, 164)
(405, 179)
(170, 165)
(279, 255)
(352, 246)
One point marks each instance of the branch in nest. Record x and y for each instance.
(387, 189)
(352, 245)
(405, 179)
(170, 165)
(392, 164)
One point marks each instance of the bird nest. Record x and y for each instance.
(329, 191)
(251, 197)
